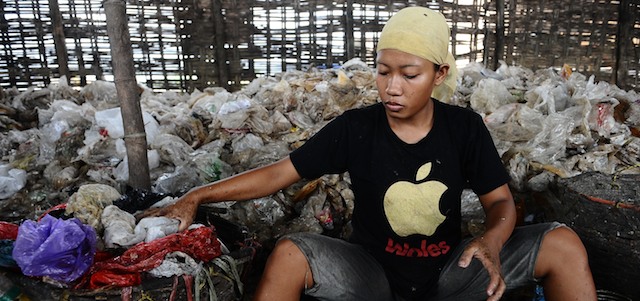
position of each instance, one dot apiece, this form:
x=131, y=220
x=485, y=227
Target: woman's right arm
x=252, y=184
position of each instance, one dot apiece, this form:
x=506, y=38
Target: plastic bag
x=550, y=144
x=179, y=181
x=8, y=231
x=8, y=234
x=120, y=229
x=60, y=249
x=87, y=203
x=172, y=149
x=245, y=142
x=176, y=264
x=489, y=95
x=136, y=199
x=233, y=114
x=111, y=121
x=200, y=243
x=11, y=180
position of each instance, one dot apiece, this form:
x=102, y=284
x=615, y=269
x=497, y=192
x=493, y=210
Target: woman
x=409, y=158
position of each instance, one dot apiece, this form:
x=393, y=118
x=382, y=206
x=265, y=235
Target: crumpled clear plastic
x=111, y=121
x=233, y=114
x=601, y=120
x=300, y=120
x=101, y=94
x=550, y=144
x=210, y=167
x=514, y=122
x=121, y=230
x=518, y=167
x=87, y=203
x=175, y=264
x=172, y=149
x=121, y=172
x=12, y=180
x=179, y=181
x=60, y=249
x=60, y=117
x=262, y=212
x=246, y=142
x=549, y=98
x=489, y=95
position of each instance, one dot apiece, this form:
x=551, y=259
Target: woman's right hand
x=248, y=185
x=184, y=210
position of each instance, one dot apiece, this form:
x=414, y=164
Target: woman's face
x=405, y=82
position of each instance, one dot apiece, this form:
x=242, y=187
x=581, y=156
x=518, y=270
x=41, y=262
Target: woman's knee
x=565, y=240
x=289, y=259
x=561, y=247
x=286, y=249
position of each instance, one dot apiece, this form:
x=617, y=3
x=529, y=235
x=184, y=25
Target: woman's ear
x=442, y=73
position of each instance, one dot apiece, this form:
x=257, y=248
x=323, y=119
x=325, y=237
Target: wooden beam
x=58, y=39
x=349, y=41
x=221, y=56
x=499, y=51
x=129, y=94
x=624, y=35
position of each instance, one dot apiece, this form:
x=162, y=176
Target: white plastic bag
x=121, y=230
x=111, y=120
x=11, y=180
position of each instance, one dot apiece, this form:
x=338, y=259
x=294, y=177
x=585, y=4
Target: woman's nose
x=393, y=87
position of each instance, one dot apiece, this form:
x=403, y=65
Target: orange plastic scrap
x=565, y=72
x=611, y=203
x=124, y=270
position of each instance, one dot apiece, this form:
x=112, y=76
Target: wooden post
x=623, y=37
x=128, y=92
x=221, y=54
x=349, y=41
x=58, y=40
x=499, y=51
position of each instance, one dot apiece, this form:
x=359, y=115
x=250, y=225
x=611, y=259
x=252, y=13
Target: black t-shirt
x=407, y=196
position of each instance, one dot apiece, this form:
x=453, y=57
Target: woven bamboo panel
x=582, y=34
x=187, y=45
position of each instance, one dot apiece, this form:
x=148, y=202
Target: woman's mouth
x=393, y=106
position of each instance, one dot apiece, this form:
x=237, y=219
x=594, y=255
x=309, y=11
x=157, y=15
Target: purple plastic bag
x=60, y=249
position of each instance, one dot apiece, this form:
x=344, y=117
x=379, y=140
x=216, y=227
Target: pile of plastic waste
x=62, y=149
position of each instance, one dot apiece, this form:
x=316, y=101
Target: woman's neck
x=413, y=129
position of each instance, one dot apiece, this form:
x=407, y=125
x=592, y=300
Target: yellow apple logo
x=413, y=208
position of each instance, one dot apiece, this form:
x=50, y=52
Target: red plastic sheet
x=124, y=270
x=8, y=231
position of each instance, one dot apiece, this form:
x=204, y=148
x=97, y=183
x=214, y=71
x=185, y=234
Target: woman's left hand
x=485, y=251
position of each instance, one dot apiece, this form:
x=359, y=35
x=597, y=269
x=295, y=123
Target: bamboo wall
x=194, y=44
x=599, y=37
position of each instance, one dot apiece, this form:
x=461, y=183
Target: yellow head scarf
x=424, y=33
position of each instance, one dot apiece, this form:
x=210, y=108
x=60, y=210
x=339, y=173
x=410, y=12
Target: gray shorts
x=345, y=271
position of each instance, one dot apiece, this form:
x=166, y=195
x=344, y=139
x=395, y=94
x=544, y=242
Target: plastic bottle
x=8, y=291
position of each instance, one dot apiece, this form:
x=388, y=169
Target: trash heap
x=62, y=146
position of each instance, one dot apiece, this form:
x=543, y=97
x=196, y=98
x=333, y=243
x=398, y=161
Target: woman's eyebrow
x=401, y=67
x=408, y=66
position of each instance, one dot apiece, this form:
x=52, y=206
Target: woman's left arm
x=500, y=220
